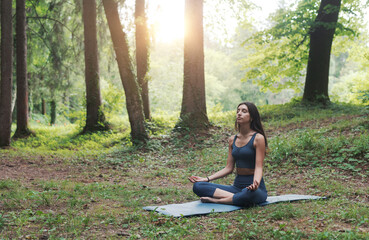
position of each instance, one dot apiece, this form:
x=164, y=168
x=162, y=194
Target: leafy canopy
x=279, y=53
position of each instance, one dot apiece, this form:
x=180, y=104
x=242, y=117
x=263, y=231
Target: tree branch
x=55, y=20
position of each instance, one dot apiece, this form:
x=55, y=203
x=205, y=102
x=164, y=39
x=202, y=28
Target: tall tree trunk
x=193, y=112
x=52, y=112
x=6, y=72
x=321, y=38
x=131, y=88
x=95, y=119
x=30, y=100
x=43, y=101
x=14, y=100
x=142, y=54
x=43, y=106
x=22, y=81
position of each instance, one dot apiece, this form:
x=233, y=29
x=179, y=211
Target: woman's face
x=243, y=115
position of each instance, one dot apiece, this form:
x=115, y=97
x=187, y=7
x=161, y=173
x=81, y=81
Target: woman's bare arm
x=259, y=145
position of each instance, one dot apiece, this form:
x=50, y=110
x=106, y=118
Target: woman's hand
x=194, y=179
x=253, y=186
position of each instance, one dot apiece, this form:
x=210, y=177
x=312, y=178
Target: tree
x=130, y=85
x=142, y=54
x=321, y=38
x=193, y=111
x=95, y=119
x=55, y=47
x=22, y=80
x=6, y=72
x=278, y=55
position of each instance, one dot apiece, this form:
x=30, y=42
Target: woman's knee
x=196, y=187
x=200, y=188
x=247, y=197
x=242, y=198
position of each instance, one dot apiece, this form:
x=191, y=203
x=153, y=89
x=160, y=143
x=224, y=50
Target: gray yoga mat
x=199, y=208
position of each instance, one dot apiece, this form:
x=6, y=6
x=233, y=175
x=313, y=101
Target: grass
x=61, y=185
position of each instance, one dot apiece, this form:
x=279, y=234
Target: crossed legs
x=219, y=196
x=217, y=193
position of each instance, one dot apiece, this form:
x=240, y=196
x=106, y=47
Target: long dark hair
x=255, y=120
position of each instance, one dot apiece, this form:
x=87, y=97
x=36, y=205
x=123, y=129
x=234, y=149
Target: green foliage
x=56, y=66
x=51, y=48
x=55, y=51
x=40, y=119
x=161, y=123
x=311, y=141
x=353, y=86
x=279, y=54
x=222, y=75
x=166, y=79
x=64, y=139
x=113, y=100
x=223, y=85
x=219, y=117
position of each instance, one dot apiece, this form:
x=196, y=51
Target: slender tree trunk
x=14, y=100
x=52, y=112
x=43, y=101
x=131, y=88
x=6, y=72
x=95, y=120
x=30, y=101
x=43, y=107
x=321, y=38
x=22, y=81
x=193, y=112
x=142, y=54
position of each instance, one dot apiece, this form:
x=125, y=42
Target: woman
x=246, y=151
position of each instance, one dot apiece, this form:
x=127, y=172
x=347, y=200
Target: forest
x=107, y=106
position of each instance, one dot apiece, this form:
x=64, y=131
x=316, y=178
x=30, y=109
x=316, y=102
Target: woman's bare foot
x=208, y=200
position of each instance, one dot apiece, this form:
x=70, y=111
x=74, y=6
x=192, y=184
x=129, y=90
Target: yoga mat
x=199, y=208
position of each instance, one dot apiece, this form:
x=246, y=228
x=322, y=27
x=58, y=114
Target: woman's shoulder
x=259, y=138
x=231, y=139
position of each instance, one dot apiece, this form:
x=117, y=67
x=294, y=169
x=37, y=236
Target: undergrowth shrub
x=303, y=146
x=314, y=148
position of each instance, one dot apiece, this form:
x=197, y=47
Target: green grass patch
x=63, y=185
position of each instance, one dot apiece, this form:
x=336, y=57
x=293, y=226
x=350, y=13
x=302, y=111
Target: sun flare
x=167, y=20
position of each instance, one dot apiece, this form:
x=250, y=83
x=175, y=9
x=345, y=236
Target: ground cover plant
x=62, y=185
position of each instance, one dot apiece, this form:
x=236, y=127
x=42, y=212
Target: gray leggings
x=242, y=196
